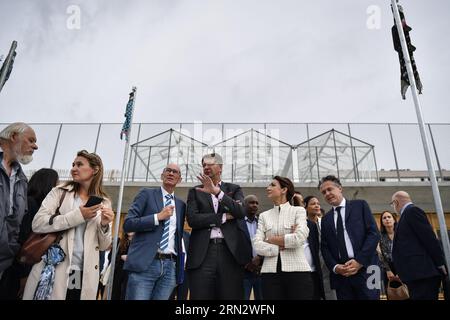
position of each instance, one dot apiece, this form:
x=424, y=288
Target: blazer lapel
x=331, y=214
x=178, y=206
x=348, y=209
x=158, y=198
x=207, y=198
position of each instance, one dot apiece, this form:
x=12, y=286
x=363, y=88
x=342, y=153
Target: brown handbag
x=397, y=290
x=37, y=244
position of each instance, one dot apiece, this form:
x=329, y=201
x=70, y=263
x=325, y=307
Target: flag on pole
x=128, y=112
x=404, y=81
x=6, y=69
x=9, y=67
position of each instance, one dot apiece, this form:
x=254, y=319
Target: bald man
x=155, y=262
x=416, y=252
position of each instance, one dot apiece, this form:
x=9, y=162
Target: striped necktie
x=165, y=236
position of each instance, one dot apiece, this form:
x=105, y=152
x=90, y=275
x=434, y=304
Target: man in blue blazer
x=155, y=260
x=416, y=252
x=349, y=240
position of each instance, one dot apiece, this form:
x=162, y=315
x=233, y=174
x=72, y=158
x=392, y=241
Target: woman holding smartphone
x=70, y=271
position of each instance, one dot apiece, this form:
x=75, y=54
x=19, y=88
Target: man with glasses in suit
x=154, y=260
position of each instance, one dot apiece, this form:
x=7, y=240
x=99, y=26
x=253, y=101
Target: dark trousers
x=317, y=286
x=9, y=283
x=287, y=285
x=424, y=289
x=355, y=287
x=219, y=277
x=252, y=281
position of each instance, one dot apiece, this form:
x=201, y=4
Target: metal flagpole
x=7, y=63
x=127, y=130
x=431, y=172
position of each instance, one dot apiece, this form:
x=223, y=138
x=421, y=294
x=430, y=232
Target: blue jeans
x=252, y=281
x=156, y=283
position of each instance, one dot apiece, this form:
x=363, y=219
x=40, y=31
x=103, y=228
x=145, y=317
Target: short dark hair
x=330, y=178
x=286, y=183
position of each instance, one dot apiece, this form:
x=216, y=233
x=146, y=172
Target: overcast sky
x=220, y=60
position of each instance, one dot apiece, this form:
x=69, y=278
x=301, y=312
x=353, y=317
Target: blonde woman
x=70, y=271
x=282, y=231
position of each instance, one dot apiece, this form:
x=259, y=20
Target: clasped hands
x=348, y=269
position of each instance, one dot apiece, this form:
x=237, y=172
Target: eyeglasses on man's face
x=392, y=203
x=170, y=170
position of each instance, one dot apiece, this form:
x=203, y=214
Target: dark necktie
x=343, y=254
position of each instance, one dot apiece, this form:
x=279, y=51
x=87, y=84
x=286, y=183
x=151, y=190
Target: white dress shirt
x=215, y=231
x=308, y=255
x=172, y=226
x=348, y=243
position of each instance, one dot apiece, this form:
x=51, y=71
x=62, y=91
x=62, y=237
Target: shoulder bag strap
x=57, y=209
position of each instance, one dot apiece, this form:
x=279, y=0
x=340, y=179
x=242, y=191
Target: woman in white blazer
x=282, y=230
x=86, y=231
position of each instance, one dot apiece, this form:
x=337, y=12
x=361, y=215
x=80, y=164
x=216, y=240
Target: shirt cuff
x=224, y=218
x=334, y=269
x=156, y=220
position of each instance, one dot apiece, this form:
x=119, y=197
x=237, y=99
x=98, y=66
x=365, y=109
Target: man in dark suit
x=349, y=240
x=154, y=259
x=416, y=252
x=216, y=254
x=249, y=225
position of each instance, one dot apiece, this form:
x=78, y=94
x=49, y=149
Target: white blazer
x=276, y=222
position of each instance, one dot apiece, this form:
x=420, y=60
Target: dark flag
x=404, y=81
x=128, y=112
x=7, y=66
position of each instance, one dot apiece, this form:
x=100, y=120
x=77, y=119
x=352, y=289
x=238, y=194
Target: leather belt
x=162, y=256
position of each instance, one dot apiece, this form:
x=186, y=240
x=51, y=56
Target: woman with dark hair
x=40, y=184
x=312, y=206
x=311, y=246
x=314, y=213
x=388, y=223
x=69, y=270
x=281, y=233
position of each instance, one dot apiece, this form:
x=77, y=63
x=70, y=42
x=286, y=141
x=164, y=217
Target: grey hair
x=217, y=158
x=16, y=127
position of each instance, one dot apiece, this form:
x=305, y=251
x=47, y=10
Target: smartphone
x=93, y=200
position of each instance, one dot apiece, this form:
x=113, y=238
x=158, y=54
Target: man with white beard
x=18, y=142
